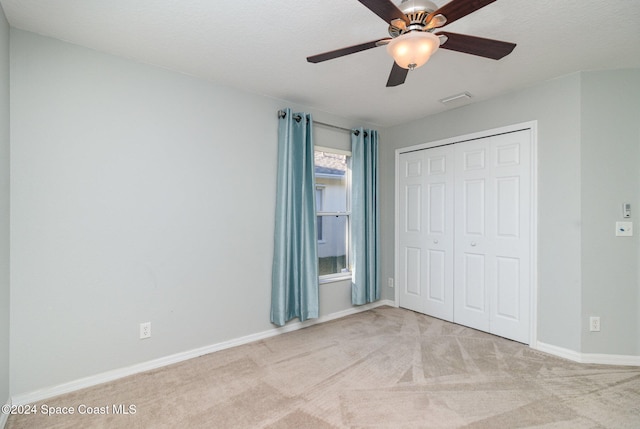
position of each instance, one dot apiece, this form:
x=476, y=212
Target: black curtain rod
x=297, y=118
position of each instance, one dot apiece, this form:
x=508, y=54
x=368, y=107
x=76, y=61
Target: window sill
x=337, y=278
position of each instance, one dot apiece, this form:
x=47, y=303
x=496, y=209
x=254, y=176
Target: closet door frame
x=533, y=278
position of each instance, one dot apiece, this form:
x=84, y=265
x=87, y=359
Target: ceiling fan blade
x=488, y=48
x=345, y=51
x=457, y=9
x=385, y=10
x=397, y=75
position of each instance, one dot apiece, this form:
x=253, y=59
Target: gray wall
x=4, y=208
x=610, y=134
x=568, y=251
x=137, y=194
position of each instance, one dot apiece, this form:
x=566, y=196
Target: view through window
x=333, y=212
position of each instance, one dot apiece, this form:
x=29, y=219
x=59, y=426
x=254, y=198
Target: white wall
x=567, y=250
x=610, y=134
x=137, y=194
x=4, y=209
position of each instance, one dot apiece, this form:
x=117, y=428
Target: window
x=333, y=194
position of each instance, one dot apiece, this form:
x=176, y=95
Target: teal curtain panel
x=365, y=217
x=294, y=291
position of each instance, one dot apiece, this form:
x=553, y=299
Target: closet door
x=425, y=253
x=492, y=240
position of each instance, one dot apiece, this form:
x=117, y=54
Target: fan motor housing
x=417, y=11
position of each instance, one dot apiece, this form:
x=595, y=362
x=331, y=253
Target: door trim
x=533, y=127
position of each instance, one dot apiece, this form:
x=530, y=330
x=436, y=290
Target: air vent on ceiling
x=464, y=96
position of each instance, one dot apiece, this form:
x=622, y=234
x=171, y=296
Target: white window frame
x=328, y=278
x=321, y=189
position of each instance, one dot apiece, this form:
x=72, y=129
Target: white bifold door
x=464, y=232
x=426, y=234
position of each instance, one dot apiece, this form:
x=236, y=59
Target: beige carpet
x=385, y=368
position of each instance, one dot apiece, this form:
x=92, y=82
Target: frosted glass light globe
x=413, y=49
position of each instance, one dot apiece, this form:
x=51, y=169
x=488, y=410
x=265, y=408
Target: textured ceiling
x=261, y=46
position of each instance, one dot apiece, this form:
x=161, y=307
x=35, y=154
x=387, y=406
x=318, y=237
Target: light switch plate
x=624, y=229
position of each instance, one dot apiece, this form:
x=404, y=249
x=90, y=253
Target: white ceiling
x=261, y=46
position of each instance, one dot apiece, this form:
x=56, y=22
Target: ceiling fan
x=413, y=40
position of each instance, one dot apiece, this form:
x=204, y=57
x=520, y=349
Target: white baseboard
x=4, y=416
x=602, y=359
x=49, y=392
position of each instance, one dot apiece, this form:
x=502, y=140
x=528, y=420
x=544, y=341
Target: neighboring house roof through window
x=330, y=163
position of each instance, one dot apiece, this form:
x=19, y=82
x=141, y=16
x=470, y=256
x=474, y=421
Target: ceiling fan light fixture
x=413, y=49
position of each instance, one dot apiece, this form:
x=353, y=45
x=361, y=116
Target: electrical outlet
x=594, y=324
x=390, y=281
x=145, y=330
